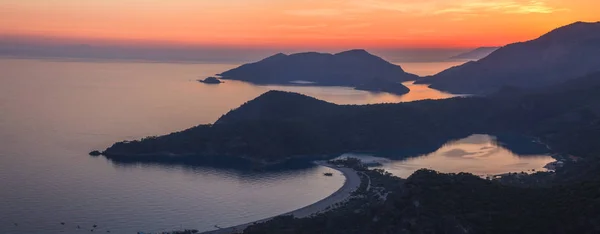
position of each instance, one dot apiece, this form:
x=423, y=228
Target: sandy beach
x=350, y=185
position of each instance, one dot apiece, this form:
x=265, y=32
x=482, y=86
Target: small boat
x=328, y=174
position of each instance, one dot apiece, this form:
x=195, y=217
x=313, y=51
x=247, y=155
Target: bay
x=53, y=112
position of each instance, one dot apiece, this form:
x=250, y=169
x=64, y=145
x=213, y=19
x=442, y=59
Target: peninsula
x=279, y=126
x=381, y=85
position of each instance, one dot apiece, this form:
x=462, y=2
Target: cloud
x=420, y=31
x=433, y=7
x=355, y=26
x=506, y=7
x=316, y=12
x=290, y=26
x=398, y=6
x=357, y=13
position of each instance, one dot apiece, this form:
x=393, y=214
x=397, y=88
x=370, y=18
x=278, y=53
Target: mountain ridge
x=563, y=53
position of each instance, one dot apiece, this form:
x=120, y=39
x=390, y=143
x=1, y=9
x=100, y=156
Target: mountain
x=564, y=53
x=475, y=54
x=349, y=68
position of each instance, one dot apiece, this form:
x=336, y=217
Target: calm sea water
x=52, y=113
x=427, y=69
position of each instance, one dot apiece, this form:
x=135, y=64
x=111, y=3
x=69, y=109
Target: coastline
x=351, y=183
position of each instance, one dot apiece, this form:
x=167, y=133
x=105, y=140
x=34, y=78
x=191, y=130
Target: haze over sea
x=54, y=112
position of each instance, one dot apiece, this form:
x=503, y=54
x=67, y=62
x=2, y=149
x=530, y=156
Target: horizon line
x=50, y=40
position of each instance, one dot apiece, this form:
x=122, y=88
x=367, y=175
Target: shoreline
x=351, y=183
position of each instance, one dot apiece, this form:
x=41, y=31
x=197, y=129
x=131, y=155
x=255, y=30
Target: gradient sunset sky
x=296, y=23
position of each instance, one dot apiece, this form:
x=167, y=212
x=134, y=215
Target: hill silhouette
x=276, y=104
x=349, y=68
x=564, y=53
x=432, y=202
x=278, y=126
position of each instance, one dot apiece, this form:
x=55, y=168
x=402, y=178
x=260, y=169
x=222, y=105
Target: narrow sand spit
x=350, y=185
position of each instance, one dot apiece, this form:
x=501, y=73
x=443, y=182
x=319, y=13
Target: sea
x=54, y=111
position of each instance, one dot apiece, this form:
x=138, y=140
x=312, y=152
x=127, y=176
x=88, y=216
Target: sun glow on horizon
x=323, y=23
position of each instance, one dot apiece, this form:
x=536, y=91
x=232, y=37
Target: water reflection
x=233, y=164
x=422, y=92
x=478, y=154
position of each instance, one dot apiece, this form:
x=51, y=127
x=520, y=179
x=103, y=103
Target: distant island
x=565, y=53
x=211, y=80
x=475, y=54
x=350, y=68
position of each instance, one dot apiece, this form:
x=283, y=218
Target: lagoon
x=479, y=154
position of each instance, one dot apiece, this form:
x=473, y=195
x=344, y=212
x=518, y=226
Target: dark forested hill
x=567, y=52
x=279, y=125
x=431, y=202
x=276, y=105
x=349, y=68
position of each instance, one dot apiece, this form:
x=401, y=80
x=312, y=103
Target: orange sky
x=297, y=23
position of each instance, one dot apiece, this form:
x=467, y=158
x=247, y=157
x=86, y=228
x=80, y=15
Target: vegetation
x=346, y=217
x=430, y=202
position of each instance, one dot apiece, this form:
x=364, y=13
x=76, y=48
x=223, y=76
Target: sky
x=293, y=23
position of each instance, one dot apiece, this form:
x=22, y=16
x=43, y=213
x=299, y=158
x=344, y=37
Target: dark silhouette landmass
x=432, y=202
x=349, y=68
x=279, y=126
x=564, y=53
x=211, y=80
x=475, y=54
x=381, y=85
